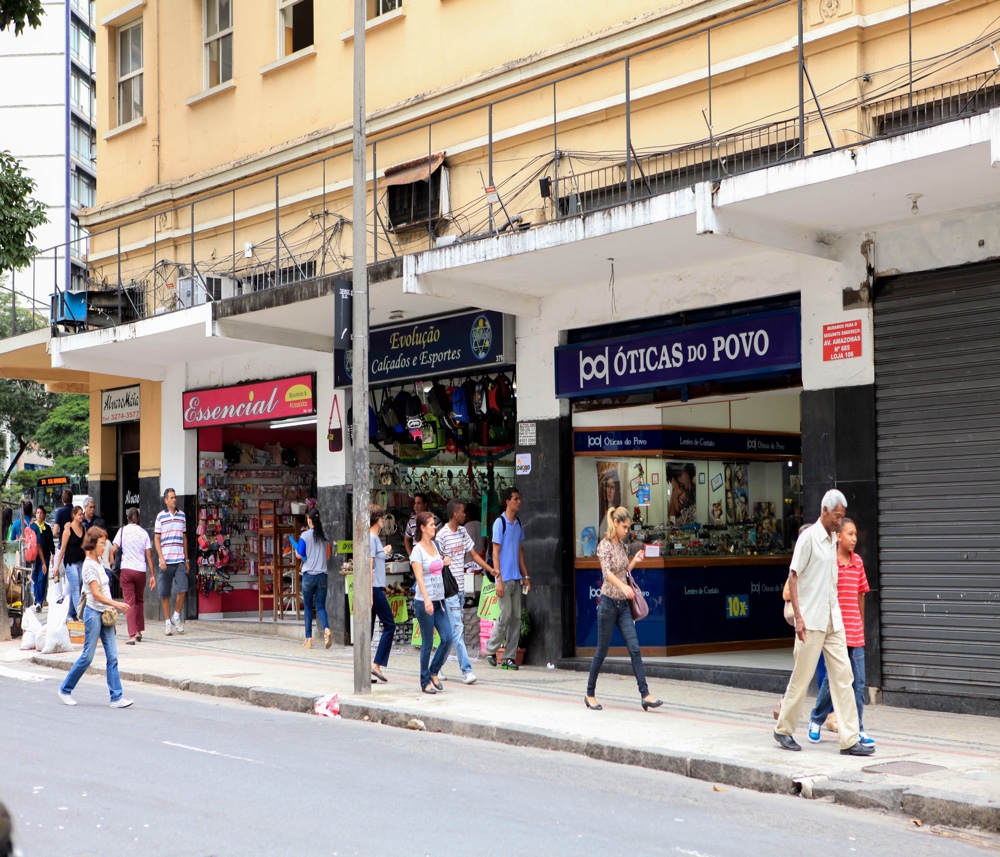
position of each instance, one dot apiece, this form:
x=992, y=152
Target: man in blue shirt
x=508, y=557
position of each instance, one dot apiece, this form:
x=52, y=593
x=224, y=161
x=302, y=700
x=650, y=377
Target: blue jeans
x=73, y=580
x=94, y=630
x=824, y=704
x=454, y=605
x=39, y=579
x=612, y=612
x=314, y=590
x=381, y=608
x=439, y=620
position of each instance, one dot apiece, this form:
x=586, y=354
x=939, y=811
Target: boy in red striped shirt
x=852, y=584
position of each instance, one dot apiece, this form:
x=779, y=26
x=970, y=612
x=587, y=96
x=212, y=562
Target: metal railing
x=288, y=227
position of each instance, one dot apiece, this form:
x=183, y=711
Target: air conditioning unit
x=192, y=291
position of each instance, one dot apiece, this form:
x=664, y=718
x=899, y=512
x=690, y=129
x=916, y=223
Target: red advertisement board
x=278, y=399
x=842, y=340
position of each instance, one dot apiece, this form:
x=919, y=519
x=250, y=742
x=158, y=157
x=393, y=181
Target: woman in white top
x=428, y=603
x=98, y=589
x=137, y=555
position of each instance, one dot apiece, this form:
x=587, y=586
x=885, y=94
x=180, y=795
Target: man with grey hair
x=819, y=627
x=90, y=516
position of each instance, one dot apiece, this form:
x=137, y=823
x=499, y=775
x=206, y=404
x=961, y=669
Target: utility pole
x=359, y=371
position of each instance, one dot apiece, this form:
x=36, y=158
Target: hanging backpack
x=459, y=406
x=30, y=539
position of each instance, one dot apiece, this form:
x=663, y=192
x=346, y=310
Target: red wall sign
x=250, y=403
x=842, y=340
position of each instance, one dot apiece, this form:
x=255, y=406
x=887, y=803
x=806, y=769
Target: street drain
x=906, y=769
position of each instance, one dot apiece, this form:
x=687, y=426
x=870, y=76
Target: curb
x=931, y=807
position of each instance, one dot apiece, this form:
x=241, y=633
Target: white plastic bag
x=30, y=626
x=327, y=706
x=57, y=634
x=40, y=639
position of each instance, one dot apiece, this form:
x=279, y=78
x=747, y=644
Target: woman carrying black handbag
x=614, y=609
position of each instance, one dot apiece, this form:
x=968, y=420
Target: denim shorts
x=173, y=581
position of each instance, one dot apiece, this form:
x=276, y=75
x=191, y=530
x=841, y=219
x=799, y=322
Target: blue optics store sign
x=456, y=344
x=630, y=441
x=743, y=347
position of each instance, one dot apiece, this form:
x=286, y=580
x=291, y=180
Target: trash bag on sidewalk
x=57, y=634
x=40, y=639
x=327, y=706
x=30, y=628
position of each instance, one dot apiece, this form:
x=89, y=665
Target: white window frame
x=77, y=83
x=80, y=181
x=378, y=8
x=285, y=7
x=218, y=37
x=132, y=74
x=84, y=154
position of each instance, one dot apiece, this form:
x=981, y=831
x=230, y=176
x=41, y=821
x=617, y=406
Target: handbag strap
x=334, y=408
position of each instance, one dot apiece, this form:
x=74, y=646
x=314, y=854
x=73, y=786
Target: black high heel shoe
x=656, y=703
x=597, y=707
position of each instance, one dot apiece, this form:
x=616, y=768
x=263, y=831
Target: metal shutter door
x=937, y=409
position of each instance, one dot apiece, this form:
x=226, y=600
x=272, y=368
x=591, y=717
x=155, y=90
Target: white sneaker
x=121, y=703
x=469, y=678
x=66, y=698
x=178, y=623
x=170, y=628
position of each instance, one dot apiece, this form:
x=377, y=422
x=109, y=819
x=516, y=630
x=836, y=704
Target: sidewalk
x=707, y=732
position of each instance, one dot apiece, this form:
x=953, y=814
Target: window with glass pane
x=130, y=73
x=81, y=94
x=82, y=143
x=82, y=190
x=218, y=42
x=381, y=7
x=296, y=25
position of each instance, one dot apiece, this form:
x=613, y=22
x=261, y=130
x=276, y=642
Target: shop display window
x=689, y=506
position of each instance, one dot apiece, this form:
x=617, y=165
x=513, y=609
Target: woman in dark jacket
x=46, y=549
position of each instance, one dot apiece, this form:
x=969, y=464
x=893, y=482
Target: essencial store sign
x=278, y=399
x=742, y=347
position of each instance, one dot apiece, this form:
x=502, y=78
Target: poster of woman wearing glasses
x=737, y=493
x=682, y=508
x=609, y=487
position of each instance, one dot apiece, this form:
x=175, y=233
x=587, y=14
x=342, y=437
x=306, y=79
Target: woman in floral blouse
x=616, y=592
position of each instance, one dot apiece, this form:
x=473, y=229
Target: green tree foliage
x=25, y=318
x=20, y=214
x=24, y=406
x=66, y=430
x=18, y=13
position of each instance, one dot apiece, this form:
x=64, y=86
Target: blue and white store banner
x=745, y=347
x=464, y=344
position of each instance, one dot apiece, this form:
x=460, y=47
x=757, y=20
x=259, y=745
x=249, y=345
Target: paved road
x=183, y=775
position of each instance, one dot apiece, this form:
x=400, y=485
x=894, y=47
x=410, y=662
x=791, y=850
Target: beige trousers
x=833, y=645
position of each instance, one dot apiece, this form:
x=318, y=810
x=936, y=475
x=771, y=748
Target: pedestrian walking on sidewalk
x=428, y=603
x=63, y=515
x=512, y=580
x=170, y=537
x=69, y=563
x=613, y=610
x=137, y=555
x=380, y=604
x=46, y=549
x=98, y=587
x=819, y=627
x=454, y=541
x=852, y=584
x=312, y=548
x=410, y=533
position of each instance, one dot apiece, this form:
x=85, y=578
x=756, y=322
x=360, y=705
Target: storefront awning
x=408, y=172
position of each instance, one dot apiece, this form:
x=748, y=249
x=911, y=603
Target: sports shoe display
x=814, y=730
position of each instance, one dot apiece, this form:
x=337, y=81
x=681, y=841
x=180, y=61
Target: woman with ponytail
x=613, y=610
x=313, y=549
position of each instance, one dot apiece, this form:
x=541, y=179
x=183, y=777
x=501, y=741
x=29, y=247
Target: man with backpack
x=513, y=579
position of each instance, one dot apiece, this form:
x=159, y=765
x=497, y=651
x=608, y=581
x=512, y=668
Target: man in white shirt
x=454, y=540
x=819, y=627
